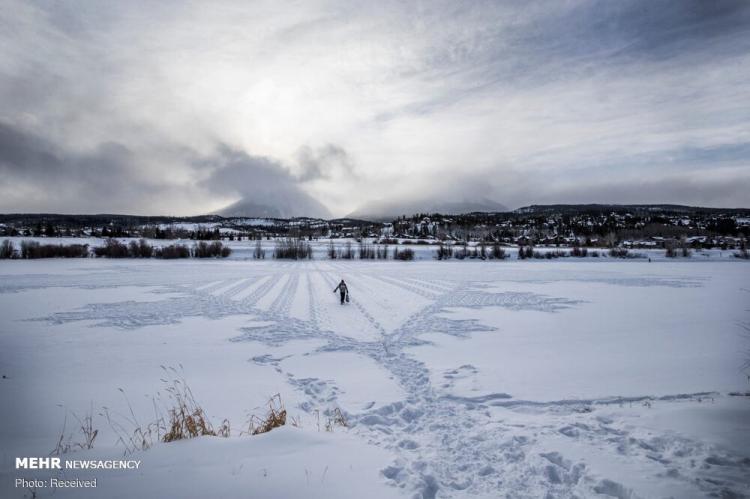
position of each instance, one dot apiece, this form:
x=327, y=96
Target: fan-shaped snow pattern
x=445, y=444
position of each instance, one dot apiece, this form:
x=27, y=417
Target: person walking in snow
x=343, y=291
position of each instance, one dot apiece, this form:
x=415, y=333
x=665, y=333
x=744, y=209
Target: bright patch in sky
x=326, y=107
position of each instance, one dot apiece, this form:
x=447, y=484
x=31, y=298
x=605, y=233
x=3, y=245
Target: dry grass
x=339, y=418
x=130, y=433
x=224, y=430
x=187, y=423
x=336, y=418
x=275, y=417
x=177, y=416
x=86, y=429
x=187, y=419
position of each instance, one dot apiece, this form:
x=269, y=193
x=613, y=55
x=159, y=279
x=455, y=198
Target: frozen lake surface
x=458, y=379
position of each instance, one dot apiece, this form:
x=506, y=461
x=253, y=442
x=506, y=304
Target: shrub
x=347, y=253
x=215, y=249
x=32, y=250
x=618, y=252
x=331, y=250
x=382, y=252
x=259, y=253
x=684, y=248
x=200, y=250
x=670, y=249
x=172, y=251
x=140, y=249
x=497, y=252
x=112, y=249
x=673, y=250
x=366, y=252
x=27, y=248
x=579, y=252
x=7, y=250
x=443, y=252
x=549, y=255
x=461, y=252
x=482, y=251
x=405, y=254
x=525, y=252
x=292, y=249
x=74, y=251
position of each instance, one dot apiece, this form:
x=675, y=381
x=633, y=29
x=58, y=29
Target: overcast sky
x=185, y=107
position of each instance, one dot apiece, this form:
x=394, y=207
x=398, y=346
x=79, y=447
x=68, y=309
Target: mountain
x=604, y=209
x=276, y=205
x=388, y=210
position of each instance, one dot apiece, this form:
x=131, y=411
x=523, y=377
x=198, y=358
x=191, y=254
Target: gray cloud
x=123, y=107
x=675, y=189
x=266, y=188
x=324, y=163
x=718, y=187
x=40, y=176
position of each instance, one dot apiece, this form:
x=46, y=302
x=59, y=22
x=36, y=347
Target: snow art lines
x=445, y=444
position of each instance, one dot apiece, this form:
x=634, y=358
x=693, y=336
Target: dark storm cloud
x=109, y=177
x=264, y=186
x=23, y=154
x=242, y=173
x=29, y=157
x=88, y=181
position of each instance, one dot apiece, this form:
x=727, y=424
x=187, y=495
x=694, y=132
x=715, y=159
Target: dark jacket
x=341, y=287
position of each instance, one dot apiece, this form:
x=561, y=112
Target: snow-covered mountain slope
x=278, y=204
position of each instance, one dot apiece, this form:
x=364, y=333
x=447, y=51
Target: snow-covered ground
x=565, y=378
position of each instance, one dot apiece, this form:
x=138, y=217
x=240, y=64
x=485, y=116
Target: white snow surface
x=585, y=378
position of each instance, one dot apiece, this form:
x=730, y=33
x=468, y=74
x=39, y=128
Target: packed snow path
x=484, y=423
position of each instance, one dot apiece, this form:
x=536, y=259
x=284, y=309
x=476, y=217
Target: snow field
x=458, y=379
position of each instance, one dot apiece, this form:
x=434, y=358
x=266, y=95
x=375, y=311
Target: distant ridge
x=595, y=208
x=386, y=210
x=566, y=209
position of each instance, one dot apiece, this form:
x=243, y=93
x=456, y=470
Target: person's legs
x=343, y=295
